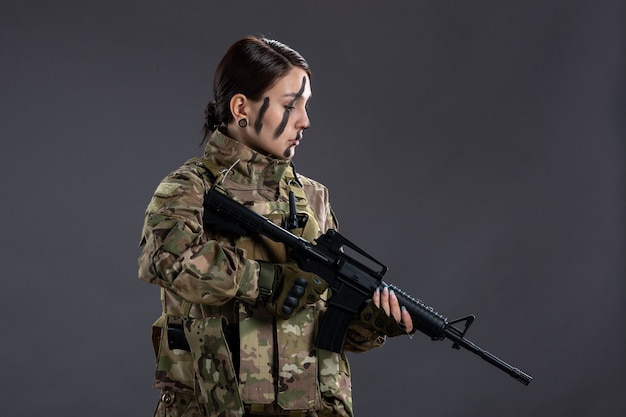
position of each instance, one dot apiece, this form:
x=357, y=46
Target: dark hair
x=251, y=66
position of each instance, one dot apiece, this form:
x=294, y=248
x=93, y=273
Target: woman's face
x=275, y=122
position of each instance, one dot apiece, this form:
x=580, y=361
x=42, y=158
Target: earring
x=242, y=122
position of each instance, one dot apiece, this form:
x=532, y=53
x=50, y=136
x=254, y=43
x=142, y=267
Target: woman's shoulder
x=319, y=200
x=186, y=181
x=186, y=175
x=312, y=185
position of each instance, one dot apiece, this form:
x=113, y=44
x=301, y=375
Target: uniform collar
x=246, y=167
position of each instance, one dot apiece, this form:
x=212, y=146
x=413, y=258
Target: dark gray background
x=475, y=147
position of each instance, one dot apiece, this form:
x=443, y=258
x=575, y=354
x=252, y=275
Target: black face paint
x=283, y=123
x=288, y=152
x=259, y=121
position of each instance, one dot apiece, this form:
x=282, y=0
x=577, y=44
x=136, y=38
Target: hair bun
x=211, y=121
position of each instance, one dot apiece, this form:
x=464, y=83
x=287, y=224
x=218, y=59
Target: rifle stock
x=350, y=280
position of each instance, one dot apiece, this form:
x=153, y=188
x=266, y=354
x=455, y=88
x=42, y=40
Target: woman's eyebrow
x=297, y=95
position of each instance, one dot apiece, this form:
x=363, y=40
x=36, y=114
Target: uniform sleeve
x=176, y=256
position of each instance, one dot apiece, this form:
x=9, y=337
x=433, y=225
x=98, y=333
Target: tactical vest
x=262, y=362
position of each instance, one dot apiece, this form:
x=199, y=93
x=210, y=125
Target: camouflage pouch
x=213, y=366
x=298, y=363
x=174, y=368
x=257, y=354
x=335, y=384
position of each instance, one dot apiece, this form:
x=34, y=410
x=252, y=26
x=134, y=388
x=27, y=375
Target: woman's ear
x=238, y=106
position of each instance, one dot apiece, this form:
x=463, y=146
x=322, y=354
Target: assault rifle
x=351, y=280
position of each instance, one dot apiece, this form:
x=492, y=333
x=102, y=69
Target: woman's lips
x=297, y=140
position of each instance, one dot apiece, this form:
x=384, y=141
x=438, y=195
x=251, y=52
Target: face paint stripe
x=283, y=123
x=259, y=121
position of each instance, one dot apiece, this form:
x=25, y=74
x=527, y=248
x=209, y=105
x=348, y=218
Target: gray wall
x=476, y=148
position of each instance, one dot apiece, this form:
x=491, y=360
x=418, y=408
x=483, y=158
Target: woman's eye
x=289, y=108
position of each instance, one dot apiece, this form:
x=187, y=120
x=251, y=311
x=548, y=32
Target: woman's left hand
x=388, y=301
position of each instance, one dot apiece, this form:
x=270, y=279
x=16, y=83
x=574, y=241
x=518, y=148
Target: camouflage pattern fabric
x=209, y=281
x=178, y=404
x=213, y=366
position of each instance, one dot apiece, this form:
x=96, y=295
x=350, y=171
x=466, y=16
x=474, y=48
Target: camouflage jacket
x=209, y=288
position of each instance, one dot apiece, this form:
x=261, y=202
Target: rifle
x=351, y=281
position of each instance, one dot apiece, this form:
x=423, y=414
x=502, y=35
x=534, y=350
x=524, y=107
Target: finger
x=394, y=306
x=376, y=298
x=384, y=300
x=406, y=319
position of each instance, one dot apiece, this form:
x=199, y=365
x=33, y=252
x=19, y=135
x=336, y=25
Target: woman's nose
x=304, y=122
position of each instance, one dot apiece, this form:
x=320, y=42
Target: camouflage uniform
x=236, y=358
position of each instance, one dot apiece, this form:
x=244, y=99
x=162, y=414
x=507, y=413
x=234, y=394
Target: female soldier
x=224, y=344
